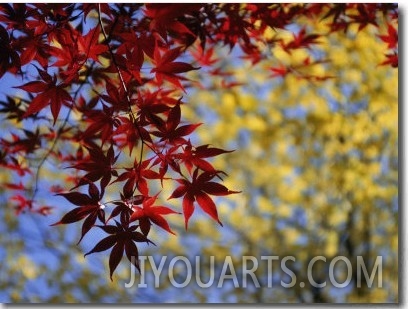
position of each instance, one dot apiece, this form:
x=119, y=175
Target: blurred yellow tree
x=317, y=161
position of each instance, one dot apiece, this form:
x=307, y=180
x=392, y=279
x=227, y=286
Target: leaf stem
x=122, y=81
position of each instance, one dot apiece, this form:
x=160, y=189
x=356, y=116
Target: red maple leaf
x=279, y=71
x=194, y=156
x=366, y=15
x=14, y=165
x=9, y=58
x=122, y=238
x=49, y=93
x=198, y=190
x=100, y=122
x=89, y=207
x=171, y=131
x=88, y=44
x=98, y=166
x=149, y=213
x=301, y=40
x=166, y=159
x=15, y=15
x=137, y=176
x=19, y=144
x=124, y=208
x=151, y=105
x=166, y=68
x=127, y=134
x=164, y=17
x=23, y=204
x=392, y=59
x=391, y=38
x=204, y=57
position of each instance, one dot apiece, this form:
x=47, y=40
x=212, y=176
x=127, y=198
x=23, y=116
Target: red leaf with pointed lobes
x=149, y=213
x=164, y=17
x=195, y=156
x=115, y=256
x=122, y=239
x=132, y=254
x=170, y=130
x=366, y=15
x=137, y=176
x=391, y=38
x=392, y=59
x=35, y=87
x=88, y=44
x=103, y=245
x=207, y=204
x=75, y=215
x=90, y=208
x=49, y=93
x=98, y=166
x=198, y=190
x=77, y=198
x=217, y=189
x=35, y=49
x=188, y=208
x=204, y=57
x=23, y=203
x=167, y=69
x=100, y=122
x=122, y=209
x=301, y=40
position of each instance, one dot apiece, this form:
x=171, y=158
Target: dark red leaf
x=89, y=46
x=115, y=257
x=198, y=190
x=132, y=254
x=166, y=68
x=88, y=224
x=74, y=215
x=103, y=245
x=188, y=208
x=77, y=198
x=217, y=189
x=391, y=38
x=179, y=192
x=149, y=213
x=35, y=87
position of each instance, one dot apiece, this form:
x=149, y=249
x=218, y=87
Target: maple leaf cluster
x=103, y=89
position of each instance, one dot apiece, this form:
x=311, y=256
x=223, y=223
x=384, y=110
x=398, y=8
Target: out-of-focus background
x=317, y=164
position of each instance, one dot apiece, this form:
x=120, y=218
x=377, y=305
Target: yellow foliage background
x=317, y=162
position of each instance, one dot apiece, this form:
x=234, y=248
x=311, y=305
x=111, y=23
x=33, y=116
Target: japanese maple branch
x=61, y=128
x=122, y=81
x=59, y=132
x=50, y=150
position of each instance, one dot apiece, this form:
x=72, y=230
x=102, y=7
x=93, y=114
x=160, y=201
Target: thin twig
x=54, y=143
x=122, y=81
